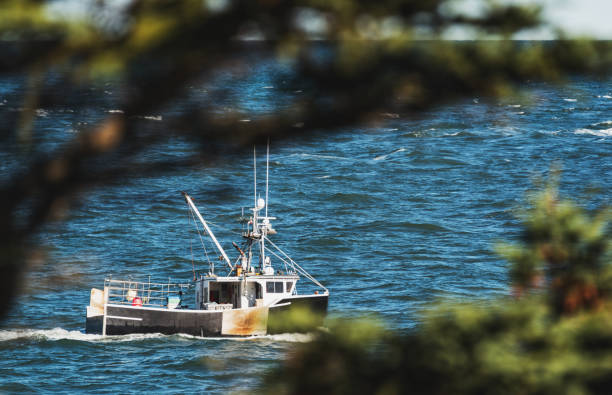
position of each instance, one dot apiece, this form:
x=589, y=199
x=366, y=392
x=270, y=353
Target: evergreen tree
x=353, y=60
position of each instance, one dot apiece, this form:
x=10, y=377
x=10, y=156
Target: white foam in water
x=291, y=337
x=63, y=334
x=283, y=337
x=381, y=157
x=571, y=100
x=604, y=96
x=321, y=156
x=45, y=334
x=598, y=133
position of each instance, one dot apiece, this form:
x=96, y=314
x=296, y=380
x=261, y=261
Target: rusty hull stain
x=245, y=322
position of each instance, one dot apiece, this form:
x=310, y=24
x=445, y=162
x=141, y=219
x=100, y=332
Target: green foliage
x=294, y=320
x=352, y=60
x=505, y=346
x=563, y=249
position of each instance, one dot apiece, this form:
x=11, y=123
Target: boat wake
x=282, y=337
x=289, y=337
x=63, y=334
x=56, y=334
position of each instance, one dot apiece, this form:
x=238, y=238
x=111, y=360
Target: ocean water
x=389, y=217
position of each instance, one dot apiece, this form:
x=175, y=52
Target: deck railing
x=145, y=293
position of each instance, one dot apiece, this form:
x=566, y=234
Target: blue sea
x=390, y=216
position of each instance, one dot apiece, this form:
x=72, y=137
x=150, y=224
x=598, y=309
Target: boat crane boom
x=212, y=236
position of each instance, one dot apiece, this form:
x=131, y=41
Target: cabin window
x=274, y=287
x=289, y=284
x=214, y=296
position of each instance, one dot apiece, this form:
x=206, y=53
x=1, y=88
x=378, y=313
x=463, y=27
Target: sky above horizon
x=581, y=17
x=590, y=18
x=575, y=17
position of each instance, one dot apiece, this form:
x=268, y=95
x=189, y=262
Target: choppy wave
x=599, y=129
x=322, y=156
x=452, y=134
x=595, y=132
x=385, y=156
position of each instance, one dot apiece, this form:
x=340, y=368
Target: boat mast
x=254, y=201
x=260, y=224
x=262, y=230
x=267, y=171
x=254, y=179
x=210, y=233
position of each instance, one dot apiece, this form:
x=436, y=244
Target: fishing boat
x=257, y=292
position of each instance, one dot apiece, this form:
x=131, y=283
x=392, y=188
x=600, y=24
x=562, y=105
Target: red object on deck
x=136, y=301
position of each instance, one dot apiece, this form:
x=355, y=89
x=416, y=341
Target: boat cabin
x=224, y=293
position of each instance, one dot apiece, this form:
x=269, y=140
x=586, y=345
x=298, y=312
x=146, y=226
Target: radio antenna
x=254, y=176
x=267, y=168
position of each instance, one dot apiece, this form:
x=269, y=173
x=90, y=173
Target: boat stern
x=95, y=310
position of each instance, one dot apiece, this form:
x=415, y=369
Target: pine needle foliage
x=351, y=60
x=554, y=337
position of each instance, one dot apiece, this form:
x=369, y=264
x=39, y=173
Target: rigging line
x=191, y=250
x=222, y=227
x=199, y=234
x=281, y=258
x=298, y=267
x=255, y=176
x=192, y=261
x=295, y=269
x=267, y=170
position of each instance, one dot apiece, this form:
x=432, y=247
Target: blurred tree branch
x=352, y=59
x=557, y=339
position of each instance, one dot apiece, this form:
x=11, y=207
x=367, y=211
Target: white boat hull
x=118, y=319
